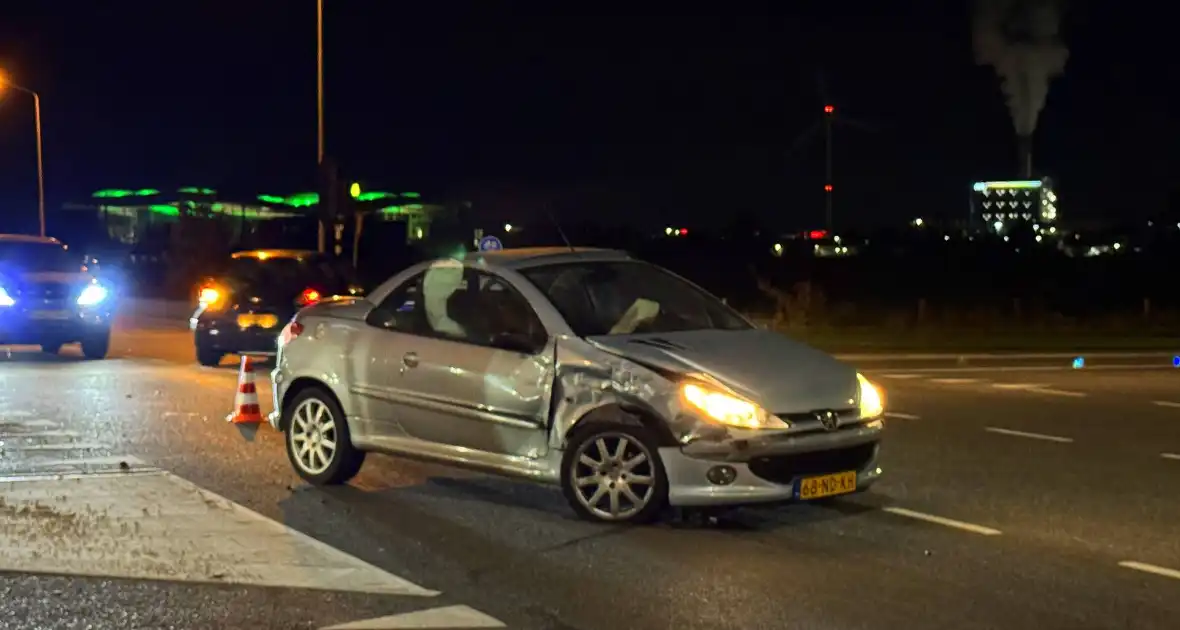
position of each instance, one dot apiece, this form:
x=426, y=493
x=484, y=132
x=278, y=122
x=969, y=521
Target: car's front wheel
x=51, y=346
x=318, y=442
x=96, y=345
x=612, y=472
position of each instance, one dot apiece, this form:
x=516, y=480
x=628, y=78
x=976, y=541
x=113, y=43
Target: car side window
x=462, y=305
x=401, y=309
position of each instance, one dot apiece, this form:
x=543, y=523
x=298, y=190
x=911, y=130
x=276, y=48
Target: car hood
x=63, y=277
x=782, y=375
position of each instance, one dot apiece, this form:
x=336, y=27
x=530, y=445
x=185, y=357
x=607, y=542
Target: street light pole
x=319, y=53
x=4, y=82
x=40, y=164
x=319, y=28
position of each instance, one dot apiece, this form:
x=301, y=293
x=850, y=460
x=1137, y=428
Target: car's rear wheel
x=96, y=345
x=612, y=472
x=209, y=357
x=318, y=442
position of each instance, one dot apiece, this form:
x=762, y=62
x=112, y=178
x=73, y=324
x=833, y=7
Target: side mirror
x=515, y=342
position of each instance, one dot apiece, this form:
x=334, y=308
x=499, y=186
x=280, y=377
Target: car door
x=377, y=360
x=479, y=373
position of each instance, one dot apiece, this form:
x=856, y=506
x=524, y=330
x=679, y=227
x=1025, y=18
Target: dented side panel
x=589, y=379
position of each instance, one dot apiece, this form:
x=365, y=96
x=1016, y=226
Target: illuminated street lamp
x=6, y=83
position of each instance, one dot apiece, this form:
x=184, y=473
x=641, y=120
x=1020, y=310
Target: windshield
x=288, y=273
x=620, y=298
x=34, y=257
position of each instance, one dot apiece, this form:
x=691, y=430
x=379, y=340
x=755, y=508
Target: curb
x=1000, y=356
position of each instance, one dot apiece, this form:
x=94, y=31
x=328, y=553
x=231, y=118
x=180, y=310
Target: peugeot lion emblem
x=830, y=419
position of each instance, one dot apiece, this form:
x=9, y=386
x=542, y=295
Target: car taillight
x=292, y=330
x=308, y=297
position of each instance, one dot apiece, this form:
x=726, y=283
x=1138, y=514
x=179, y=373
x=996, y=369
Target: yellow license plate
x=262, y=321
x=827, y=485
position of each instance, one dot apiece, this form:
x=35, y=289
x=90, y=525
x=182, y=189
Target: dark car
x=243, y=307
x=49, y=298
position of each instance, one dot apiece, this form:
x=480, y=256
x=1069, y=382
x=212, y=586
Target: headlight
x=92, y=295
x=872, y=403
x=726, y=408
x=5, y=299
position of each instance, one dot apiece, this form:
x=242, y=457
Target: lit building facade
x=1015, y=208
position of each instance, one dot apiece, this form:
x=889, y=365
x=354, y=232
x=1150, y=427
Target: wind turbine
x=826, y=125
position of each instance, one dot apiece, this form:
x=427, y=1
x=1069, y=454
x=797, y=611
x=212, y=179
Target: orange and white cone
x=246, y=409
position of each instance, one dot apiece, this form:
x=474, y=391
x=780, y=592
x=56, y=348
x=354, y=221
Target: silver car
x=621, y=382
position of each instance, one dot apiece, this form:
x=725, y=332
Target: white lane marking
x=1022, y=368
x=901, y=416
x=1166, y=403
x=901, y=377
x=954, y=381
x=56, y=446
x=1033, y=436
x=41, y=434
x=1002, y=356
x=947, y=522
x=157, y=526
x=56, y=470
x=1151, y=568
x=1175, y=456
x=1019, y=386
x=446, y=617
x=1057, y=392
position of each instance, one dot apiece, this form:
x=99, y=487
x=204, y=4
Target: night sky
x=623, y=118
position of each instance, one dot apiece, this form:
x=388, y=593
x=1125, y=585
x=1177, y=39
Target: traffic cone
x=246, y=409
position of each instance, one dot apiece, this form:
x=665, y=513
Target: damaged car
x=627, y=386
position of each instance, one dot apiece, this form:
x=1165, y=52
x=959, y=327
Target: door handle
x=410, y=359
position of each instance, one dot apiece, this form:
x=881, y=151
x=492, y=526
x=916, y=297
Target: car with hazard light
x=49, y=298
x=242, y=307
x=627, y=386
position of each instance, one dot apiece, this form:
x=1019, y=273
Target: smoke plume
x=1020, y=39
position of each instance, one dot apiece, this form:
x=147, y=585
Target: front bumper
x=278, y=389
x=20, y=326
x=769, y=470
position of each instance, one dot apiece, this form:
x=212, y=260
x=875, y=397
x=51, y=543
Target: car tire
x=51, y=347
x=589, y=489
x=209, y=357
x=327, y=469
x=95, y=346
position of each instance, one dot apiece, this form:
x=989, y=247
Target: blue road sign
x=1176, y=362
x=490, y=244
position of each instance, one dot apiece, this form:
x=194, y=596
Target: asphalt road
x=1019, y=493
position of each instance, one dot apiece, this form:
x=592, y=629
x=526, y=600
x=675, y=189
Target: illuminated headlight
x=728, y=409
x=872, y=403
x=5, y=299
x=92, y=295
